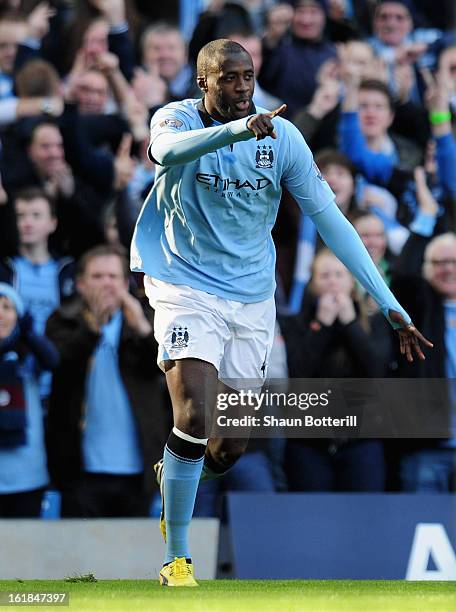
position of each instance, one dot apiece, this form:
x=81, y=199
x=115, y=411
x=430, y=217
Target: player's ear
x=202, y=83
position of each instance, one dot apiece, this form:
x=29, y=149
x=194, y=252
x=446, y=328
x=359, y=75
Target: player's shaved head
x=212, y=56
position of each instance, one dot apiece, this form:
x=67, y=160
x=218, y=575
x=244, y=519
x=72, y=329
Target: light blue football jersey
x=207, y=223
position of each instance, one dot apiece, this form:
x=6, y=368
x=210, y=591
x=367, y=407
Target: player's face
x=375, y=114
x=441, y=263
x=230, y=89
x=8, y=316
x=34, y=221
x=341, y=182
x=46, y=150
x=103, y=278
x=331, y=276
x=372, y=233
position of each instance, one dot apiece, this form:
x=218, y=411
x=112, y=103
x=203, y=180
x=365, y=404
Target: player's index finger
x=277, y=111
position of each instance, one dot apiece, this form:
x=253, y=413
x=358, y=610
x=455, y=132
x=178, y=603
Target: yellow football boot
x=178, y=573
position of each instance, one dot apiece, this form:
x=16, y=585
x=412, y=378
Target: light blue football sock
x=181, y=484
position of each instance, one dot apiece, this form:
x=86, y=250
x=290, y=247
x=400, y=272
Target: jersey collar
x=208, y=121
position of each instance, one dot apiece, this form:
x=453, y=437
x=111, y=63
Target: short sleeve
x=301, y=175
x=165, y=121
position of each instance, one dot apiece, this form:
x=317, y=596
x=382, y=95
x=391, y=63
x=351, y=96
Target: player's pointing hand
x=261, y=125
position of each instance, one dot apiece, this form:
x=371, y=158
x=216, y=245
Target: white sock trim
x=188, y=438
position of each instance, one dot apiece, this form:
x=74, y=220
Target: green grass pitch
x=248, y=595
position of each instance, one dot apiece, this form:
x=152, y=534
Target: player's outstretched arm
x=182, y=147
x=342, y=239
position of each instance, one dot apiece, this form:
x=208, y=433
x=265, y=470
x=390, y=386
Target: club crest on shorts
x=264, y=156
x=179, y=337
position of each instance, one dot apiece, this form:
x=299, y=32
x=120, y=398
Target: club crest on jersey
x=173, y=123
x=179, y=337
x=264, y=156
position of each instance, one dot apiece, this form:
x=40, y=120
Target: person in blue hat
x=23, y=471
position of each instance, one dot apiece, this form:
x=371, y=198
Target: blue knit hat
x=9, y=292
x=407, y=3
x=322, y=3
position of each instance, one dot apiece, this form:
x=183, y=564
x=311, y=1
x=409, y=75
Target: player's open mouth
x=242, y=105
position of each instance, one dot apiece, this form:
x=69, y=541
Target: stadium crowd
x=371, y=85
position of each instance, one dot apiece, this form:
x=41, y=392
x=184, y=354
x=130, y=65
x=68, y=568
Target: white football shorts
x=236, y=338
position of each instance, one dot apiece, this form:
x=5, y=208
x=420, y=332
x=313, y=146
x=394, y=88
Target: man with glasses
x=426, y=284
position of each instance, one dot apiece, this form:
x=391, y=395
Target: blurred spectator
x=339, y=172
x=301, y=52
x=12, y=31
x=397, y=43
x=217, y=21
x=106, y=416
x=165, y=74
x=25, y=101
x=23, y=472
x=425, y=283
x=44, y=166
x=99, y=26
x=38, y=91
x=447, y=68
x=364, y=134
x=438, y=101
x=41, y=278
x=331, y=338
x=278, y=22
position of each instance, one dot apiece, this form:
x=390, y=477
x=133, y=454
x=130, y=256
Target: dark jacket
x=143, y=381
x=335, y=351
x=289, y=70
x=424, y=305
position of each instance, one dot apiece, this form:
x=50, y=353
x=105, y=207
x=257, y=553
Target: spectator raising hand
x=325, y=99
x=112, y=10
x=38, y=21
x=149, y=87
x=426, y=201
x=278, y=20
x=134, y=314
x=437, y=97
x=124, y=165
